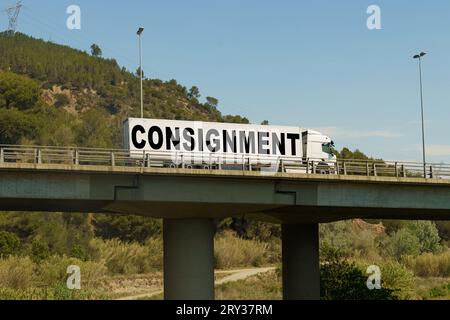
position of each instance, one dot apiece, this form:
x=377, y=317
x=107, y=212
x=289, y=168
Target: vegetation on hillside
x=55, y=95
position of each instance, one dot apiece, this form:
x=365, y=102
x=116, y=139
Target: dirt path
x=234, y=275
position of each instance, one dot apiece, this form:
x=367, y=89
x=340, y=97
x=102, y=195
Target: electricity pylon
x=13, y=14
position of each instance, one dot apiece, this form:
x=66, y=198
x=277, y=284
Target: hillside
x=55, y=95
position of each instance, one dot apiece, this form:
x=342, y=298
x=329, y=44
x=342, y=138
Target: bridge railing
x=202, y=160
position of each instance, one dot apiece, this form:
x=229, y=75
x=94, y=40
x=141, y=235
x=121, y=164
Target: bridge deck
x=191, y=193
x=222, y=173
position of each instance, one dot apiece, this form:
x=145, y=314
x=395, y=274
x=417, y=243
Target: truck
x=228, y=146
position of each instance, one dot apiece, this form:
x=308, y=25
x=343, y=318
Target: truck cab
x=318, y=147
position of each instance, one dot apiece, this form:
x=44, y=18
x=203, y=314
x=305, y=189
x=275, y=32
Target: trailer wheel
x=188, y=166
x=173, y=166
x=206, y=167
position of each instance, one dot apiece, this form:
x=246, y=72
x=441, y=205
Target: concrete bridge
x=189, y=200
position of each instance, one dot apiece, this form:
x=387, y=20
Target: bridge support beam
x=300, y=252
x=188, y=259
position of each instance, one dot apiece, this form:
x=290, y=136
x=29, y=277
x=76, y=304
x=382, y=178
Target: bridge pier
x=300, y=254
x=188, y=259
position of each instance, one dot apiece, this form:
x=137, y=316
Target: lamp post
x=420, y=56
x=141, y=75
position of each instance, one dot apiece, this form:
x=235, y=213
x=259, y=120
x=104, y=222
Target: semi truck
x=213, y=145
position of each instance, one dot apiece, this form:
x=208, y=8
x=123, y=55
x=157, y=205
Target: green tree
x=346, y=153
x=95, y=130
x=95, y=50
x=235, y=119
x=18, y=91
x=194, y=92
x=212, y=102
x=126, y=227
x=403, y=242
x=427, y=234
x=265, y=123
x=16, y=126
x=138, y=73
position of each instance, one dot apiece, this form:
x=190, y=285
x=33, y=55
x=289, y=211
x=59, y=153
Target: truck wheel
x=173, y=166
x=323, y=168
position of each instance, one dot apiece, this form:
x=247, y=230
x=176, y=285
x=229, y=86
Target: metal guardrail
x=209, y=161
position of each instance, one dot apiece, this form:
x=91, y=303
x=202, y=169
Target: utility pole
x=141, y=73
x=420, y=56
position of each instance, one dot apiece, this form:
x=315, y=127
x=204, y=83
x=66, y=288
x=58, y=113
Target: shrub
x=398, y=279
x=61, y=100
x=343, y=280
x=39, y=250
x=402, y=243
x=429, y=265
x=18, y=91
x=9, y=243
x=428, y=235
x=351, y=240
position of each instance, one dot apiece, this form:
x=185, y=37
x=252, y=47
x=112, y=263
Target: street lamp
x=420, y=56
x=141, y=75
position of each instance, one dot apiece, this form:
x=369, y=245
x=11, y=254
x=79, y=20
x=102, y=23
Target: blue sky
x=313, y=64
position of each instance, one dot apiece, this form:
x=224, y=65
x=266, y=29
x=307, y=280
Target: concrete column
x=300, y=251
x=188, y=259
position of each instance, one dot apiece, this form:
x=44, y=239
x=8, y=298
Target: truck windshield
x=328, y=147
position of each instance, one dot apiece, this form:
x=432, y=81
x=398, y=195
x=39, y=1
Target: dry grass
x=265, y=286
x=129, y=258
x=54, y=269
x=231, y=252
x=16, y=272
x=430, y=265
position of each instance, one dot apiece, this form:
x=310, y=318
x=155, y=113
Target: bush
x=398, y=279
x=343, y=280
x=351, y=240
x=415, y=238
x=18, y=91
x=39, y=250
x=403, y=243
x=428, y=235
x=61, y=100
x=429, y=265
x=231, y=251
x=9, y=244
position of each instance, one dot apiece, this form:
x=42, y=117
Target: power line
x=13, y=15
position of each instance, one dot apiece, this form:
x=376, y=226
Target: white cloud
x=437, y=150
x=347, y=133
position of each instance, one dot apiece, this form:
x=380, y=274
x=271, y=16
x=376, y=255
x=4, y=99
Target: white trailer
x=195, y=144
